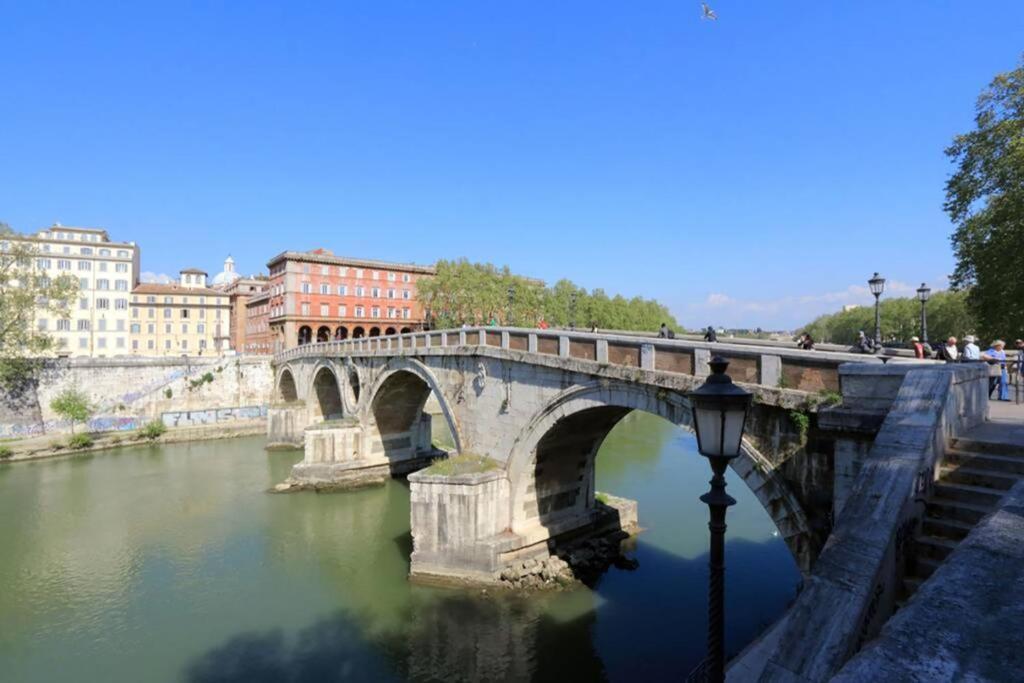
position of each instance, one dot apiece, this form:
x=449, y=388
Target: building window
x=63, y=265
x=375, y=312
x=359, y=290
x=359, y=273
x=391, y=277
x=342, y=290
x=325, y=288
x=102, y=303
x=85, y=265
x=101, y=342
x=306, y=288
x=83, y=283
x=136, y=328
x=375, y=292
x=343, y=270
x=150, y=299
x=150, y=344
x=86, y=251
x=104, y=252
x=121, y=285
x=325, y=270
x=391, y=312
x=83, y=325
x=167, y=328
x=122, y=305
x=168, y=299
x=121, y=267
x=135, y=344
x=406, y=277
x=122, y=253
x=184, y=344
x=120, y=342
x=391, y=294
x=102, y=322
x=83, y=304
x=184, y=313
x=150, y=328
x=305, y=309
x=103, y=284
x=375, y=275
x=151, y=313
x=184, y=328
x=359, y=311
x=64, y=325
x=167, y=344
x=83, y=342
x=167, y=313
x=324, y=310
x=406, y=313
x=201, y=328
x=43, y=263
x=120, y=325
x=102, y=266
x=42, y=324
x=342, y=310
x=202, y=343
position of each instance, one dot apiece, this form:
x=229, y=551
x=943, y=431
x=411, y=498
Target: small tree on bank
x=72, y=405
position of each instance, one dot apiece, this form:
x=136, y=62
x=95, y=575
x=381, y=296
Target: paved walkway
x=1003, y=411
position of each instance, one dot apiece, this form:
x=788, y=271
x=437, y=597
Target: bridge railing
x=769, y=365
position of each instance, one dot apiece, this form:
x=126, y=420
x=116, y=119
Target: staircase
x=974, y=476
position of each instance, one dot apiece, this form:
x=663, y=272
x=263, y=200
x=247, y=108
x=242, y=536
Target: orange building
x=317, y=296
x=257, y=338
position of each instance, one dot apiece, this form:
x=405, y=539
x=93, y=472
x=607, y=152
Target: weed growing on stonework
x=79, y=441
x=152, y=430
x=5, y=452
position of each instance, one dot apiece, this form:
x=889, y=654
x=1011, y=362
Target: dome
x=228, y=275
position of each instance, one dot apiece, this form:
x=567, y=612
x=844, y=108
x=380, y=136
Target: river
x=172, y=563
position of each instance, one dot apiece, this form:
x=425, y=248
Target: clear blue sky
x=745, y=171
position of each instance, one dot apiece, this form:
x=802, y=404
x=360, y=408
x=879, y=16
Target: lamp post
x=719, y=417
x=511, y=298
x=572, y=311
x=923, y=293
x=877, y=285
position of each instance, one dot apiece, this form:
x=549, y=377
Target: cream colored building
x=97, y=323
x=184, y=318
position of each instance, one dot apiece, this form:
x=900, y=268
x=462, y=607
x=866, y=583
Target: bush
x=72, y=405
x=207, y=378
x=5, y=452
x=80, y=441
x=153, y=430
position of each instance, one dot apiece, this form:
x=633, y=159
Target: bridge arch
x=286, y=389
x=325, y=393
x=551, y=465
x=394, y=401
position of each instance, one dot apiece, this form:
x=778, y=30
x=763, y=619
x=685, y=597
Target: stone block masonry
x=129, y=392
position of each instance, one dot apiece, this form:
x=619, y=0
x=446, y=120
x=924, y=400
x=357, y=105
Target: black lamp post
x=923, y=293
x=511, y=298
x=719, y=418
x=572, y=311
x=877, y=285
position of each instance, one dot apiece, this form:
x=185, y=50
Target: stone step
x=926, y=566
x=911, y=584
x=976, y=495
x=978, y=476
x=987, y=461
x=946, y=528
x=934, y=547
x=947, y=508
x=995, y=447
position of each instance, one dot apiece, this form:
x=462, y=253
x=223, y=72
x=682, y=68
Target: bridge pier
x=286, y=423
x=347, y=453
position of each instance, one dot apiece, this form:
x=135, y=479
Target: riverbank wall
x=127, y=393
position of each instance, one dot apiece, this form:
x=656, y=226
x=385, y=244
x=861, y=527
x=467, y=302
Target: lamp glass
x=923, y=292
x=877, y=284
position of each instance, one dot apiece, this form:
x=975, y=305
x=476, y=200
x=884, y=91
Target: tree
x=474, y=293
x=26, y=290
x=948, y=316
x=73, y=405
x=985, y=199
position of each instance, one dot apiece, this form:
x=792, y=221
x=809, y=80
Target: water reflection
x=171, y=563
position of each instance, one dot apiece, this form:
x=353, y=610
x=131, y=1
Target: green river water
x=172, y=563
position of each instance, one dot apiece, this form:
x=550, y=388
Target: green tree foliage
x=73, y=405
x=476, y=293
x=25, y=291
x=948, y=315
x=985, y=199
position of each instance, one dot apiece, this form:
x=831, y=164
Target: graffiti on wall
x=192, y=418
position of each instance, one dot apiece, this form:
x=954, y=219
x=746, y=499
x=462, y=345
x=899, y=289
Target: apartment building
x=182, y=318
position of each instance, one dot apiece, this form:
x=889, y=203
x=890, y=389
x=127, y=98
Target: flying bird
x=707, y=13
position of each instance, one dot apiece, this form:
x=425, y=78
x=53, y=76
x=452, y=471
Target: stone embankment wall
x=129, y=392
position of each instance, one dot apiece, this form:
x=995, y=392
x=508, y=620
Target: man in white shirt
x=971, y=350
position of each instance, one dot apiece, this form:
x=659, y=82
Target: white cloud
x=156, y=278
x=786, y=312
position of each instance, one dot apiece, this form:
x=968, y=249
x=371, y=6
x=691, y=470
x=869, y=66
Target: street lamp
x=511, y=298
x=877, y=285
x=923, y=293
x=719, y=417
x=572, y=311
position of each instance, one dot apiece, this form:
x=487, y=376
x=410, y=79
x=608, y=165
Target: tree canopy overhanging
x=985, y=200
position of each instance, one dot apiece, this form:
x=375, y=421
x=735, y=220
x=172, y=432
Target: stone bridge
x=535, y=407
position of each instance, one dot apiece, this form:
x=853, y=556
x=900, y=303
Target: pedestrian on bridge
x=972, y=354
x=915, y=343
x=864, y=345
x=999, y=379
x=949, y=351
x=710, y=335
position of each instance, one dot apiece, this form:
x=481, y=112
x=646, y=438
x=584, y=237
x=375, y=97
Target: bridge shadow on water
x=648, y=624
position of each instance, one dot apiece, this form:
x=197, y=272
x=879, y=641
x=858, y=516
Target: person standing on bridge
x=948, y=351
x=918, y=347
x=710, y=335
x=663, y=331
x=972, y=354
x=998, y=377
x=864, y=345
